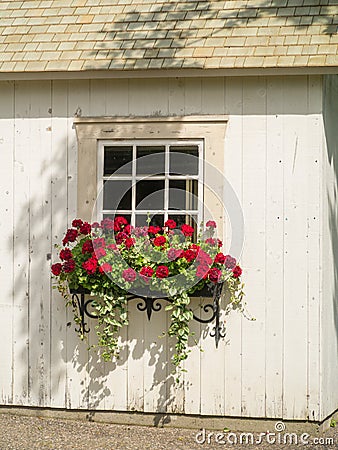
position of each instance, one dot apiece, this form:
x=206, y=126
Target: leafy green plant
x=111, y=259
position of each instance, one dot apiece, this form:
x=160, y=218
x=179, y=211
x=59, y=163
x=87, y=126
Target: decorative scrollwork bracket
x=151, y=304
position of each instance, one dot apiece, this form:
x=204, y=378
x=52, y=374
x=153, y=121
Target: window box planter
x=150, y=303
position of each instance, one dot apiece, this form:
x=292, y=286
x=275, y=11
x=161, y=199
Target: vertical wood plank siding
x=266, y=368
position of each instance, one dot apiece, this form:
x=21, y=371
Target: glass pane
x=156, y=220
x=186, y=164
x=117, y=195
x=183, y=194
x=189, y=219
x=112, y=216
x=150, y=194
x=153, y=163
x=115, y=158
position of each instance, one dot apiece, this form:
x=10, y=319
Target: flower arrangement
x=112, y=259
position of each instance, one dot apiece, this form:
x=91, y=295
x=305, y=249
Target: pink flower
x=107, y=224
x=211, y=241
x=99, y=242
x=100, y=252
x=129, y=275
x=211, y=224
x=174, y=254
x=203, y=257
x=105, y=268
x=230, y=262
x=202, y=271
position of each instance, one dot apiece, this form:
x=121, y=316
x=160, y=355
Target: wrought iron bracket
x=151, y=304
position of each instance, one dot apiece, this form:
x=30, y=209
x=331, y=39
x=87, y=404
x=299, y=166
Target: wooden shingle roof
x=87, y=35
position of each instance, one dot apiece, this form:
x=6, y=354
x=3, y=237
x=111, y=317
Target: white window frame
x=134, y=177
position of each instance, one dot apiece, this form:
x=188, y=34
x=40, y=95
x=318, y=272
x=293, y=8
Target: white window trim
x=90, y=130
x=167, y=177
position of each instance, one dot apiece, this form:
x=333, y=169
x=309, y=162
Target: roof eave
x=169, y=73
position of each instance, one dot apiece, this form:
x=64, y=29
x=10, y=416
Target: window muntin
x=166, y=187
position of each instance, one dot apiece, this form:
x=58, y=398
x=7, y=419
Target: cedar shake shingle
x=140, y=34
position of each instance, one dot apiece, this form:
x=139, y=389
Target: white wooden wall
x=273, y=153
x=329, y=307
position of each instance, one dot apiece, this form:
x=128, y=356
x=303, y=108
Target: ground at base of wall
x=38, y=432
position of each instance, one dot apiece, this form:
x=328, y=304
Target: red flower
x=189, y=255
x=162, y=272
x=171, y=224
x=120, y=237
x=237, y=272
x=153, y=229
x=87, y=247
x=56, y=269
x=112, y=247
x=159, y=241
x=214, y=275
x=187, y=230
x=69, y=266
x=100, y=252
x=71, y=236
x=66, y=254
x=219, y=243
x=203, y=257
x=77, y=223
x=99, y=242
x=129, y=242
x=129, y=275
x=85, y=228
x=105, y=268
x=96, y=225
x=202, y=271
x=146, y=272
x=128, y=229
x=220, y=258
x=119, y=223
x=211, y=224
x=90, y=265
x=230, y=262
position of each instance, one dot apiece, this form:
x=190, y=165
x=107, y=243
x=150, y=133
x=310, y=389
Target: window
x=157, y=178
x=124, y=136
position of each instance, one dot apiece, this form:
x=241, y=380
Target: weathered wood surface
x=273, y=159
